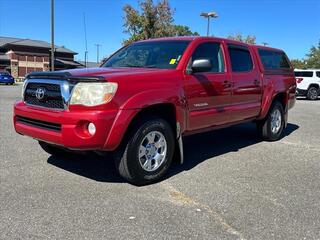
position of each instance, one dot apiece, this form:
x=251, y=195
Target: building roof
x=6, y=41
x=90, y=64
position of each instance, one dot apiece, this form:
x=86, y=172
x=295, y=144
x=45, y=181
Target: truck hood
x=103, y=74
x=110, y=73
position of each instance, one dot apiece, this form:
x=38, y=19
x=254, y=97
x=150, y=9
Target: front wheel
x=271, y=128
x=148, y=153
x=312, y=93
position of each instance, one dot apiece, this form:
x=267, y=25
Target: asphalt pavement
x=232, y=186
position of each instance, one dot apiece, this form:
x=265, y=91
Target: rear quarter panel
x=275, y=82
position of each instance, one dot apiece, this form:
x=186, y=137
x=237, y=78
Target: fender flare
x=134, y=105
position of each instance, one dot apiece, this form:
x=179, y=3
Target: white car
x=308, y=83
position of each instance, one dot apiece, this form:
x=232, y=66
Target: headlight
x=23, y=88
x=92, y=94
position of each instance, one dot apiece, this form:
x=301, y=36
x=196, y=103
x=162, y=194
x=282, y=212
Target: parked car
x=6, y=78
x=308, y=83
x=147, y=96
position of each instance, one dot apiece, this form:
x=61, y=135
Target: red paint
x=230, y=98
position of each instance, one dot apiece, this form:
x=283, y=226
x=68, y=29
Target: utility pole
x=98, y=46
x=85, y=39
x=208, y=16
x=52, y=35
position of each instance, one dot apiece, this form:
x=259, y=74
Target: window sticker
x=172, y=61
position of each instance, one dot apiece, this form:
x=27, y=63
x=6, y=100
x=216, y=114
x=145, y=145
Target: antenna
x=85, y=39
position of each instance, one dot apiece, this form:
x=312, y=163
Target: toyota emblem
x=40, y=92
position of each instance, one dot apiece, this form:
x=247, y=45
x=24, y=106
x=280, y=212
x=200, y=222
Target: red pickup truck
x=144, y=98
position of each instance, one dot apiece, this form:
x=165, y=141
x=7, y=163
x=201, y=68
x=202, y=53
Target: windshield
x=4, y=74
x=155, y=54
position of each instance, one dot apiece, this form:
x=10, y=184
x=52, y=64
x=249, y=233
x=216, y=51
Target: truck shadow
x=197, y=148
x=202, y=147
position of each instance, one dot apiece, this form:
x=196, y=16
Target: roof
x=192, y=38
x=90, y=64
x=4, y=57
x=5, y=41
x=68, y=62
x=307, y=69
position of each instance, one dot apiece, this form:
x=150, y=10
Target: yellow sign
x=173, y=61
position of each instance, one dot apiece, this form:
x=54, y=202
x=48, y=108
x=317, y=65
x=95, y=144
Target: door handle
x=256, y=82
x=227, y=83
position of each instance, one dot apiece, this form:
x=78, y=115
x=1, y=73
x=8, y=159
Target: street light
x=98, y=46
x=52, y=35
x=209, y=15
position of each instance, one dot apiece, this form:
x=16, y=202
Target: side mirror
x=201, y=65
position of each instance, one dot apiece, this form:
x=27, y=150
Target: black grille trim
x=40, y=124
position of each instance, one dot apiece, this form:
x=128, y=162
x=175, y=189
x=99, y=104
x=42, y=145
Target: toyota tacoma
x=148, y=95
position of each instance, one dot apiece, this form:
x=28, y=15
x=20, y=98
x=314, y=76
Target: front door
x=208, y=93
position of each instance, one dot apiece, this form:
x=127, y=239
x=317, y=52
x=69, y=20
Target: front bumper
x=72, y=132
x=301, y=92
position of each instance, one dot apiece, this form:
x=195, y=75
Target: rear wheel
x=51, y=149
x=312, y=93
x=148, y=153
x=272, y=126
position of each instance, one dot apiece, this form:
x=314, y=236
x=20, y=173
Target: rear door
x=208, y=93
x=247, y=83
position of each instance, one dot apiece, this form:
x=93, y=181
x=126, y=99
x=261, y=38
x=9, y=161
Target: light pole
x=98, y=46
x=52, y=35
x=208, y=16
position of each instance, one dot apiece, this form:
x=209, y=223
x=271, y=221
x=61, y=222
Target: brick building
x=22, y=56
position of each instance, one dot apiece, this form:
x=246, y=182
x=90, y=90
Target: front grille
x=40, y=124
x=52, y=97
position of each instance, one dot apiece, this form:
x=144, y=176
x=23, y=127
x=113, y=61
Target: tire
x=51, y=149
x=137, y=162
x=312, y=93
x=271, y=128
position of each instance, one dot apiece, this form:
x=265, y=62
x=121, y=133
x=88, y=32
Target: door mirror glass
x=201, y=65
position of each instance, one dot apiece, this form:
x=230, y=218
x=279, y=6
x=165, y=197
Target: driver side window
x=212, y=52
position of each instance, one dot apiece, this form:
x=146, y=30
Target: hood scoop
x=67, y=76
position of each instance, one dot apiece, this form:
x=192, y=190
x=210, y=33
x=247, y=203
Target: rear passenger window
x=318, y=74
x=273, y=60
x=304, y=74
x=212, y=52
x=241, y=60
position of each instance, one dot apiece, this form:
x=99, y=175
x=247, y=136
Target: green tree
x=250, y=39
x=313, y=57
x=180, y=30
x=153, y=20
x=299, y=64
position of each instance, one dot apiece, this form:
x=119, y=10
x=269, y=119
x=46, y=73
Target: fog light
x=91, y=129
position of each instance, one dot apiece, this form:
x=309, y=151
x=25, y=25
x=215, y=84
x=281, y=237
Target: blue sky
x=291, y=25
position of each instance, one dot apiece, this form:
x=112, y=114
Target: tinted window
x=4, y=74
x=212, y=52
x=155, y=54
x=273, y=60
x=303, y=73
x=318, y=74
x=240, y=59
